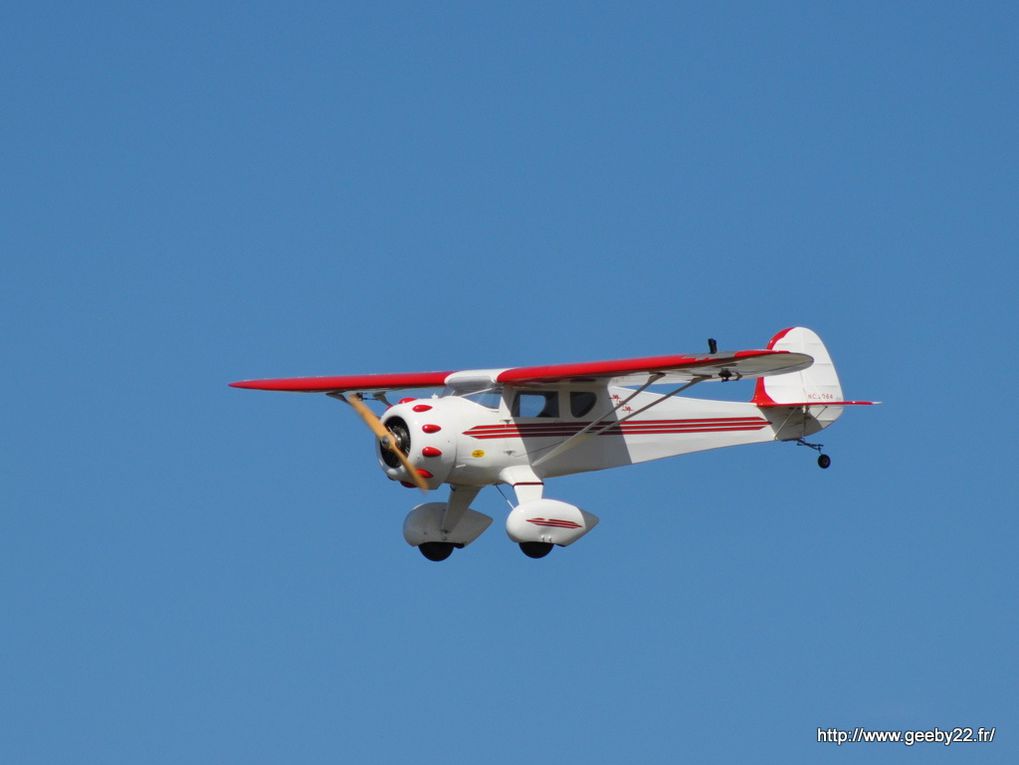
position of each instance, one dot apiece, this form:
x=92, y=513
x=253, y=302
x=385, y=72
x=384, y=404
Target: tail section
x=801, y=403
x=818, y=384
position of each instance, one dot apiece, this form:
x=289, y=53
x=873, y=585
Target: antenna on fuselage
x=712, y=345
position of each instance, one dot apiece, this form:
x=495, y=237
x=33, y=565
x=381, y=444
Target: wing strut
x=582, y=435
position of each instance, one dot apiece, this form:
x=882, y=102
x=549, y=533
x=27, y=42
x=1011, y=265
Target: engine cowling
x=548, y=521
x=425, y=432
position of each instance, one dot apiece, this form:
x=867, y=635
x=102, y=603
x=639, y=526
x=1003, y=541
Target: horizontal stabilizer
x=817, y=403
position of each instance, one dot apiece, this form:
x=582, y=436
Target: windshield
x=490, y=398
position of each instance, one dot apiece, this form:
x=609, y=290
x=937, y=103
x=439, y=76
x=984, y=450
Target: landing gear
x=535, y=549
x=823, y=461
x=436, y=550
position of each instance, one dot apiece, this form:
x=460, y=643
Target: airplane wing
x=669, y=369
x=638, y=371
x=345, y=383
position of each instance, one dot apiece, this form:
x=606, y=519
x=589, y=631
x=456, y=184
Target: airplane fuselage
x=500, y=436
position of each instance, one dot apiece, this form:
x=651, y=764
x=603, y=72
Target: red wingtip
x=347, y=382
x=255, y=385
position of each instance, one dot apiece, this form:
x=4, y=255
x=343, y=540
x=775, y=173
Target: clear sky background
x=196, y=193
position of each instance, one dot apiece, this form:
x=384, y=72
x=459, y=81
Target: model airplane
x=524, y=425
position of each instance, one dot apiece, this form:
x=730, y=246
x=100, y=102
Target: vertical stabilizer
x=817, y=384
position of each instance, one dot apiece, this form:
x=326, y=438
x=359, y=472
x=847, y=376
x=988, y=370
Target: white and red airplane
x=524, y=425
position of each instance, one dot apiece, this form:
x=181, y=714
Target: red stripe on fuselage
x=635, y=428
x=628, y=424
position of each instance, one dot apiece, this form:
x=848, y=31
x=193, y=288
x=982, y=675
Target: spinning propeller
x=386, y=438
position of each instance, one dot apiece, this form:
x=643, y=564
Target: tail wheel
x=536, y=549
x=824, y=462
x=436, y=550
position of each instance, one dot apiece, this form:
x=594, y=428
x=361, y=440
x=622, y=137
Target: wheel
x=824, y=461
x=436, y=550
x=536, y=549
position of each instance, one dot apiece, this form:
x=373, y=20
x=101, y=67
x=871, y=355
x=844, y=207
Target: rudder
x=818, y=384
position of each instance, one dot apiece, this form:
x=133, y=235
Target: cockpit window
x=537, y=404
x=490, y=399
x=582, y=402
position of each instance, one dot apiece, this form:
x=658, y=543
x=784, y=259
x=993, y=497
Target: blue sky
x=195, y=194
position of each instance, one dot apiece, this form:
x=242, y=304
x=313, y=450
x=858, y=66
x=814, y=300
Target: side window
x=544, y=404
x=582, y=402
